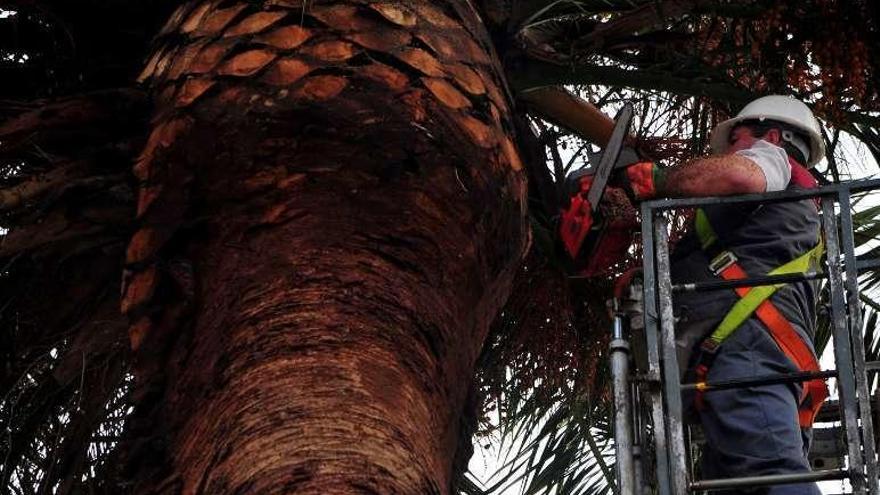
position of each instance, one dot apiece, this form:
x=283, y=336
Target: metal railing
x=658, y=387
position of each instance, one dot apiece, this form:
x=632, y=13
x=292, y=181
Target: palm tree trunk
x=331, y=213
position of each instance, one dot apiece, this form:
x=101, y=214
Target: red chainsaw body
x=597, y=241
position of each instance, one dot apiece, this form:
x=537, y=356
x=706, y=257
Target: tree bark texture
x=331, y=211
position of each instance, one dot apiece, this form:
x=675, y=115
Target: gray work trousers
x=754, y=431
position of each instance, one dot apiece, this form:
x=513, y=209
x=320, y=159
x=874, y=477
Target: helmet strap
x=798, y=142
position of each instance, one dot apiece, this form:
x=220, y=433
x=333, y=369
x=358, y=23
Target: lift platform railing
x=659, y=386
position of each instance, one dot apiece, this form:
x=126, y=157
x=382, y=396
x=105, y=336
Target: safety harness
x=756, y=300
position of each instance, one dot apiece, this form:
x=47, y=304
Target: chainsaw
x=596, y=238
x=594, y=234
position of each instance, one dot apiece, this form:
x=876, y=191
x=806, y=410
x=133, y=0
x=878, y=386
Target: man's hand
x=641, y=180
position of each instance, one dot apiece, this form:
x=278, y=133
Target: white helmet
x=782, y=109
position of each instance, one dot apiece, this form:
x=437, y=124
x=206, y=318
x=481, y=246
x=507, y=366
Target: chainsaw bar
x=610, y=155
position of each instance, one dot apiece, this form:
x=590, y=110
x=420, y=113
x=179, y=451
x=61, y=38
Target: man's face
x=741, y=138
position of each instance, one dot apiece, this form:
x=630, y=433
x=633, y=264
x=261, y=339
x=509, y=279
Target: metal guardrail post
x=830, y=190
x=766, y=480
x=652, y=331
x=671, y=379
x=858, y=349
x=842, y=349
x=759, y=380
x=623, y=409
x=639, y=438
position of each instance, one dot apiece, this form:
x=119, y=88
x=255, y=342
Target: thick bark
x=331, y=213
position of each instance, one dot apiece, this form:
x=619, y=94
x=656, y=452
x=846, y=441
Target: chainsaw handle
x=563, y=108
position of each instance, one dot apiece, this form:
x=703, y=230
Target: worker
x=759, y=430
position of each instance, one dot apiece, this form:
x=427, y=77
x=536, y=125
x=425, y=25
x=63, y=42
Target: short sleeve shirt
x=773, y=161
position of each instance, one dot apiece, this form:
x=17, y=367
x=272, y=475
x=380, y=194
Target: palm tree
x=317, y=210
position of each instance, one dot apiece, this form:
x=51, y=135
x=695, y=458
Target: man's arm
x=759, y=168
x=719, y=175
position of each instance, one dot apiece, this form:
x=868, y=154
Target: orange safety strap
x=786, y=337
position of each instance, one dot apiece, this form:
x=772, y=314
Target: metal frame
x=652, y=379
x=661, y=386
x=624, y=443
x=855, y=315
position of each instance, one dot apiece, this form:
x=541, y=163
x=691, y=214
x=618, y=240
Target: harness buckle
x=722, y=262
x=709, y=346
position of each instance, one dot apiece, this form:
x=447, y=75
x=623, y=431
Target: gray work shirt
x=763, y=237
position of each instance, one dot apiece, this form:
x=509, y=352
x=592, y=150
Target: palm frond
x=563, y=450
